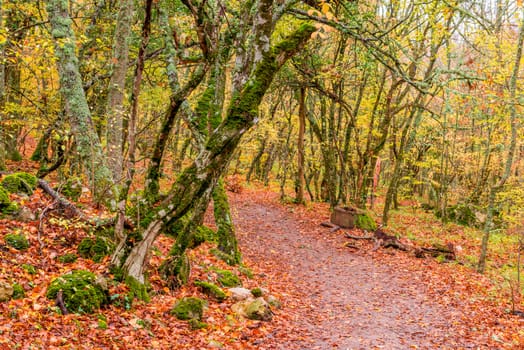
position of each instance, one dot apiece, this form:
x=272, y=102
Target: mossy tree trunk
x=227, y=240
x=299, y=180
x=210, y=164
x=77, y=110
x=2, y=89
x=115, y=97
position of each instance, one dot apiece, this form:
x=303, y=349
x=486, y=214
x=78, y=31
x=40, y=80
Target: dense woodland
x=151, y=105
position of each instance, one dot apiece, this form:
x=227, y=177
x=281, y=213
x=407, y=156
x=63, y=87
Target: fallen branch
x=60, y=302
x=61, y=201
x=347, y=235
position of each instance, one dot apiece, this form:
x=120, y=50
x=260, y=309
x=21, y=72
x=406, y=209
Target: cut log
x=447, y=251
x=381, y=239
x=344, y=217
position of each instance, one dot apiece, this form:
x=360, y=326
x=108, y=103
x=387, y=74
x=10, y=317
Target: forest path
x=338, y=299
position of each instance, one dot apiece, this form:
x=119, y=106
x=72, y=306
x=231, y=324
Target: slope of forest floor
x=332, y=296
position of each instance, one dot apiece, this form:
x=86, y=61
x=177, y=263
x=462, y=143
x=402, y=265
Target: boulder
x=6, y=291
x=239, y=293
x=259, y=309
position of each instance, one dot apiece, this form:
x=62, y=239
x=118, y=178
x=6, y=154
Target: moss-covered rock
x=189, y=308
x=67, y=258
x=82, y=293
x=4, y=198
x=18, y=291
x=17, y=241
x=212, y=290
x=246, y=271
x=20, y=183
x=364, y=221
x=257, y=292
x=94, y=248
x=196, y=324
x=227, y=278
x=259, y=309
x=6, y=206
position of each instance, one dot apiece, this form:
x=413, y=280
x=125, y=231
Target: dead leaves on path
x=32, y=321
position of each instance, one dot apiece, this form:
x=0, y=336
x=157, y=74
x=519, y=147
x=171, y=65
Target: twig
x=347, y=235
x=60, y=302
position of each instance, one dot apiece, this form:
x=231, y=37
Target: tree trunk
x=212, y=161
x=227, y=241
x=511, y=149
x=299, y=181
x=87, y=141
x=115, y=98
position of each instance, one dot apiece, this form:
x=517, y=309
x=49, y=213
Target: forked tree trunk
x=211, y=162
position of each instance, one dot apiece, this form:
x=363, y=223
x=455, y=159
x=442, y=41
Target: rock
x=213, y=344
x=259, y=310
x=212, y=290
x=189, y=308
x=239, y=293
x=274, y=302
x=6, y=291
x=25, y=214
x=240, y=307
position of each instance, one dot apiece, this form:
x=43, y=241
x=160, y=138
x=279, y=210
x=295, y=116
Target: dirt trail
x=344, y=300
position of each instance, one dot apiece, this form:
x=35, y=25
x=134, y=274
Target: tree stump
x=344, y=217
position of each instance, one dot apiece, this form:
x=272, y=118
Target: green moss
x=257, y=292
x=95, y=249
x=18, y=291
x=364, y=221
x=4, y=198
x=81, y=293
x=137, y=290
x=196, y=324
x=175, y=270
x=72, y=188
x=204, y=234
x=246, y=271
x=12, y=208
x=68, y=258
x=189, y=308
x=17, y=241
x=20, y=183
x=30, y=269
x=227, y=278
x=212, y=290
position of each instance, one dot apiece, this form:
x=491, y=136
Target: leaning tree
x=251, y=38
